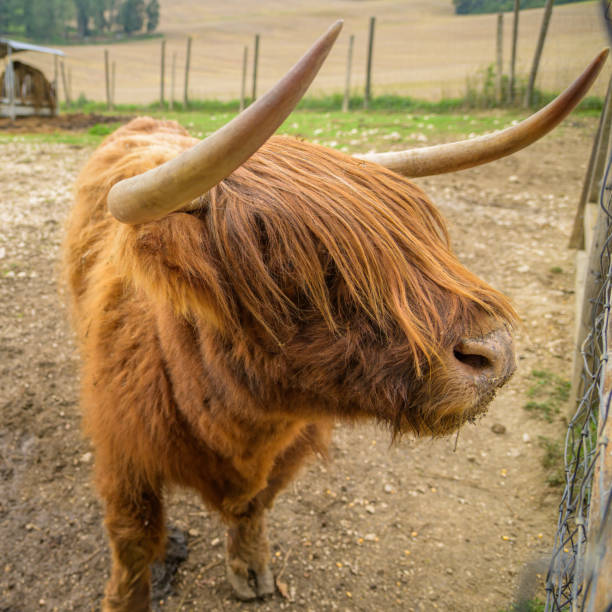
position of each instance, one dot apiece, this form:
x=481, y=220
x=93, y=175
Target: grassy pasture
x=353, y=132
x=422, y=48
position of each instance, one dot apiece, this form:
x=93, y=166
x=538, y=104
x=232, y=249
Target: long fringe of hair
x=283, y=228
x=303, y=212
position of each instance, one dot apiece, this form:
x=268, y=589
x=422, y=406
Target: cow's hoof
x=265, y=583
x=241, y=585
x=250, y=585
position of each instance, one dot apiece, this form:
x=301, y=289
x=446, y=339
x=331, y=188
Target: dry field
x=421, y=49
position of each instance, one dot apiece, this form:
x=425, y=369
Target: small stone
x=194, y=533
x=526, y=438
x=513, y=179
x=86, y=457
x=388, y=488
x=215, y=542
x=498, y=428
x=370, y=509
x=370, y=537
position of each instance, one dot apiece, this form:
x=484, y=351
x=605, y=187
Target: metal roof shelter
x=14, y=96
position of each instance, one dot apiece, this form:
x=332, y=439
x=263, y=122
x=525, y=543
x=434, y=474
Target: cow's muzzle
x=488, y=361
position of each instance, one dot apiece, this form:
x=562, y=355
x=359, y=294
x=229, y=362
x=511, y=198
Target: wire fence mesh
x=580, y=570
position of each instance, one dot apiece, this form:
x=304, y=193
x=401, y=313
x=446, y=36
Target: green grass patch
x=548, y=392
x=77, y=139
x=102, y=129
x=553, y=461
x=357, y=131
x=480, y=95
x=534, y=605
x=392, y=122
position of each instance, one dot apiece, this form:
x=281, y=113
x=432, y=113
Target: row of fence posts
x=506, y=96
x=109, y=70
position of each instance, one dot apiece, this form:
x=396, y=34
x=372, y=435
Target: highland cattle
x=234, y=298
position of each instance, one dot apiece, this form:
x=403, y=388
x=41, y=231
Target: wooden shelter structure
x=24, y=90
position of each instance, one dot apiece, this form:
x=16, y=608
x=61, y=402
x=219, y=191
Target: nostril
x=489, y=357
x=473, y=360
x=476, y=356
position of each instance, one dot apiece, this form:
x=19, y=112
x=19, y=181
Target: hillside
x=421, y=49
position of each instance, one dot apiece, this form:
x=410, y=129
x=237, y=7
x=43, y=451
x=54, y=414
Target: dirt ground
x=65, y=121
x=417, y=526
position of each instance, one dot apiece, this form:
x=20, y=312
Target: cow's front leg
x=135, y=525
x=248, y=556
x=247, y=542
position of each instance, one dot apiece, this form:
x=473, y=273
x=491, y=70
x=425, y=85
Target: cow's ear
x=171, y=261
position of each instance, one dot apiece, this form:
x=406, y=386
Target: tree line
x=463, y=7
x=56, y=20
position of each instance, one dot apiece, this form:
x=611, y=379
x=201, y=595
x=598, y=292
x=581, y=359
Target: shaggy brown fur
x=220, y=346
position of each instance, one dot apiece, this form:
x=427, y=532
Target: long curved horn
x=454, y=156
x=162, y=190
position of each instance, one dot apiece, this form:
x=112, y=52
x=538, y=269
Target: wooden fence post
x=113, y=89
x=589, y=262
x=65, y=83
x=255, y=62
x=172, y=81
x=187, y=62
x=245, y=59
x=589, y=233
x=368, y=85
x=107, y=80
x=347, y=81
x=511, y=85
x=500, y=63
x=163, y=74
x=11, y=84
x=538, y=53
x=56, y=84
x=602, y=158
x=598, y=152
x=599, y=539
x=585, y=302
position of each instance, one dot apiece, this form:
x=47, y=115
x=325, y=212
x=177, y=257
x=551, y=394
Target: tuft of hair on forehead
x=296, y=215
